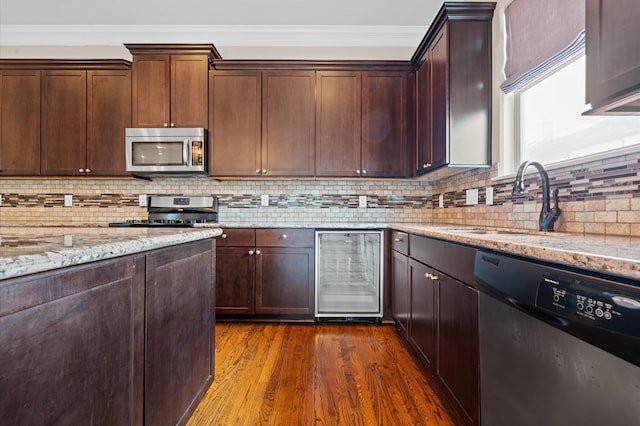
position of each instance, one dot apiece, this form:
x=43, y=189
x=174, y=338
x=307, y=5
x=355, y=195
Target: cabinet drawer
x=455, y=260
x=235, y=237
x=400, y=242
x=284, y=237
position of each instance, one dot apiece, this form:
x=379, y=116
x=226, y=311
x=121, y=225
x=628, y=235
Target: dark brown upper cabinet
x=361, y=123
x=262, y=122
x=64, y=117
x=170, y=84
x=288, y=123
x=235, y=123
x=613, y=57
x=20, y=122
x=453, y=89
x=338, y=123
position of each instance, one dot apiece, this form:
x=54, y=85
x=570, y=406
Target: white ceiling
x=240, y=29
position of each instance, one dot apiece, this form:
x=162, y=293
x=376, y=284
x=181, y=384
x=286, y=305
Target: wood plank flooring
x=317, y=374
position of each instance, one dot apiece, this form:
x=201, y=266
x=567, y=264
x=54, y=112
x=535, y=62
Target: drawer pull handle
x=397, y=240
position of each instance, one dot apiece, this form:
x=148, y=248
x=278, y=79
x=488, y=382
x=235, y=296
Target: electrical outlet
x=362, y=201
x=264, y=200
x=472, y=197
x=68, y=200
x=142, y=200
x=441, y=200
x=488, y=198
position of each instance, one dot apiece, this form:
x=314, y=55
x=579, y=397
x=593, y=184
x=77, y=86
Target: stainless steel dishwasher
x=349, y=272
x=557, y=346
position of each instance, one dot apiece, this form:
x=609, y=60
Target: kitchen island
x=105, y=326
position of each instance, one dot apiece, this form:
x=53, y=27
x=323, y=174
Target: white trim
x=219, y=35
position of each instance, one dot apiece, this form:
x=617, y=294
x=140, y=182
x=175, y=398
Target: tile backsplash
x=600, y=197
x=41, y=202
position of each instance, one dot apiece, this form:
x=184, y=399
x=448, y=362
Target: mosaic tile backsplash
x=600, y=197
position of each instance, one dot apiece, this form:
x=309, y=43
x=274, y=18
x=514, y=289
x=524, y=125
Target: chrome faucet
x=548, y=215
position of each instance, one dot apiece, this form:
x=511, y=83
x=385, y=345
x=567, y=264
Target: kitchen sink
x=489, y=231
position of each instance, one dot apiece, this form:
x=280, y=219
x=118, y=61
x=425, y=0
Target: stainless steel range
x=177, y=211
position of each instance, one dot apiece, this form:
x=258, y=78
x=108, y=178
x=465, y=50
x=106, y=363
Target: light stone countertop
x=27, y=250
x=605, y=254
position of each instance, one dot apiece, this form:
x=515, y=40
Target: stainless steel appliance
x=349, y=271
x=557, y=346
x=170, y=150
x=177, y=211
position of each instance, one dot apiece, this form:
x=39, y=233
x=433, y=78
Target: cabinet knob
x=264, y=171
x=172, y=125
x=425, y=165
x=225, y=236
x=257, y=171
x=250, y=252
x=431, y=276
x=258, y=252
x=284, y=236
x=364, y=172
x=166, y=124
x=80, y=170
x=87, y=170
x=397, y=240
x=357, y=172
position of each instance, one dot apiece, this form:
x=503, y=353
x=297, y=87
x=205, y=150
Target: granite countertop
x=606, y=254
x=27, y=250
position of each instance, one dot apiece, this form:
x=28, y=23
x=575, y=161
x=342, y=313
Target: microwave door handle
x=186, y=152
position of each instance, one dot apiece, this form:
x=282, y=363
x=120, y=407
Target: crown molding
x=220, y=35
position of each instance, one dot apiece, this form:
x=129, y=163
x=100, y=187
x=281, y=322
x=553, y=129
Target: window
x=550, y=127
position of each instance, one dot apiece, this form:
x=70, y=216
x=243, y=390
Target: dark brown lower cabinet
x=265, y=272
x=284, y=281
x=443, y=315
x=400, y=291
x=71, y=345
x=422, y=316
x=235, y=272
x=127, y=341
x=458, y=367
x=178, y=331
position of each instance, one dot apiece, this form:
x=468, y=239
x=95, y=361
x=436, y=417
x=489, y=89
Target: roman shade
x=540, y=34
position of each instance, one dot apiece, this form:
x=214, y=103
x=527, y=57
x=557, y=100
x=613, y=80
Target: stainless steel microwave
x=172, y=150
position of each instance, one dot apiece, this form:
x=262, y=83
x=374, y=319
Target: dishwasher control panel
x=610, y=306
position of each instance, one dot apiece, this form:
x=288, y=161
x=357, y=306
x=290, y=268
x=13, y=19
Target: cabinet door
x=439, y=93
x=288, y=123
x=423, y=115
x=458, y=353
x=338, y=118
x=72, y=345
x=20, y=122
x=108, y=115
x=384, y=123
x=613, y=56
x=235, y=275
x=235, y=123
x=284, y=281
x=422, y=315
x=150, y=86
x=400, y=290
x=179, y=330
x=64, y=122
x=189, y=91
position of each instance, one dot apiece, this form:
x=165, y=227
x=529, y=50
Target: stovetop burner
x=172, y=211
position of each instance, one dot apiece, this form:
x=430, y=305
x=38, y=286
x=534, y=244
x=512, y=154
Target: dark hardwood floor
x=308, y=374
